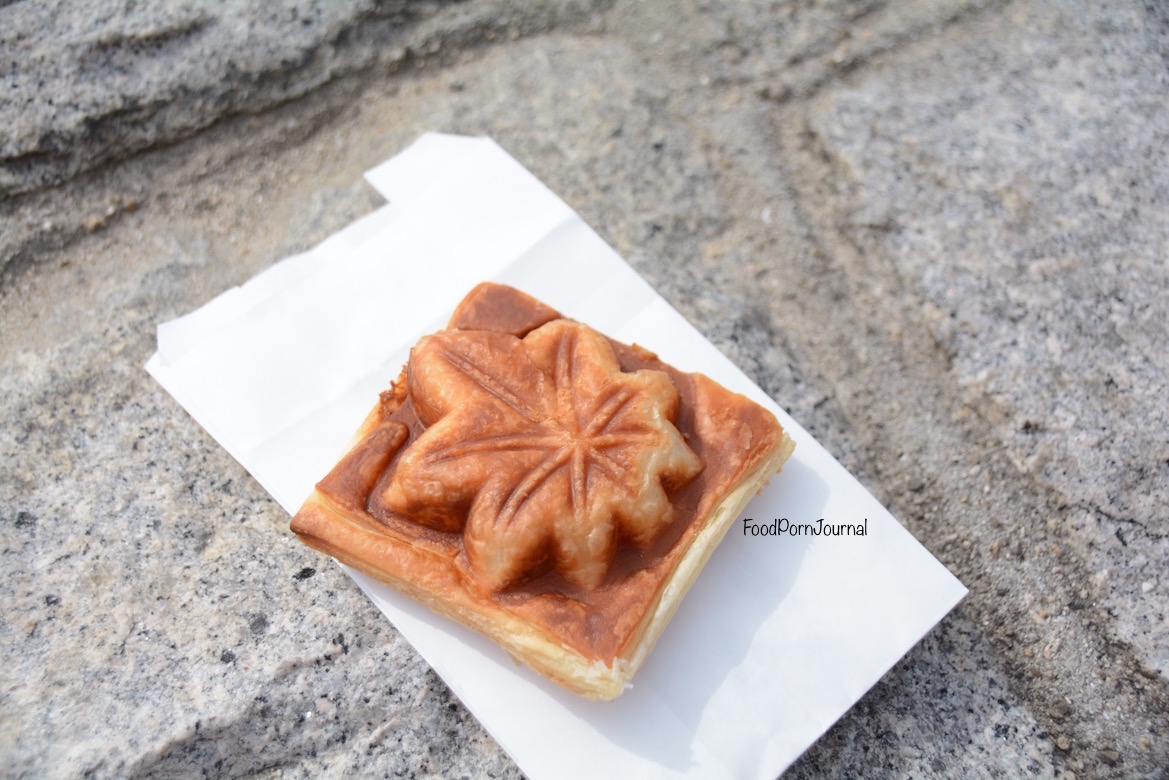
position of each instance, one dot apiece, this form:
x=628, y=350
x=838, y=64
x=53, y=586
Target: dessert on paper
x=776, y=640
x=549, y=487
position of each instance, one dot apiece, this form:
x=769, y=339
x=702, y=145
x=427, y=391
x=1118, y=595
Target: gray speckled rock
x=1017, y=179
x=933, y=231
x=87, y=82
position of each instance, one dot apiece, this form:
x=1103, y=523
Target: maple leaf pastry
x=554, y=489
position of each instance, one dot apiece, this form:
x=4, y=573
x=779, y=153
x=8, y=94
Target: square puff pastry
x=549, y=487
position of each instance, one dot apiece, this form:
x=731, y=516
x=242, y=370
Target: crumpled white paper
x=778, y=637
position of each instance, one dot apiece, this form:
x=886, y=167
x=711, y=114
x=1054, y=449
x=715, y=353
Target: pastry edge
x=321, y=525
x=693, y=561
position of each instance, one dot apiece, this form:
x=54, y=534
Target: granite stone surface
x=935, y=232
x=92, y=81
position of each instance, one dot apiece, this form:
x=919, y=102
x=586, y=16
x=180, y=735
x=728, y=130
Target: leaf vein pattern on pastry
x=541, y=450
x=534, y=481
x=494, y=444
x=491, y=383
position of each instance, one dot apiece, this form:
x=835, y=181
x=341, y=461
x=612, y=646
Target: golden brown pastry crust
x=553, y=489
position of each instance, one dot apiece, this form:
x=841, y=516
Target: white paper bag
x=779, y=636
